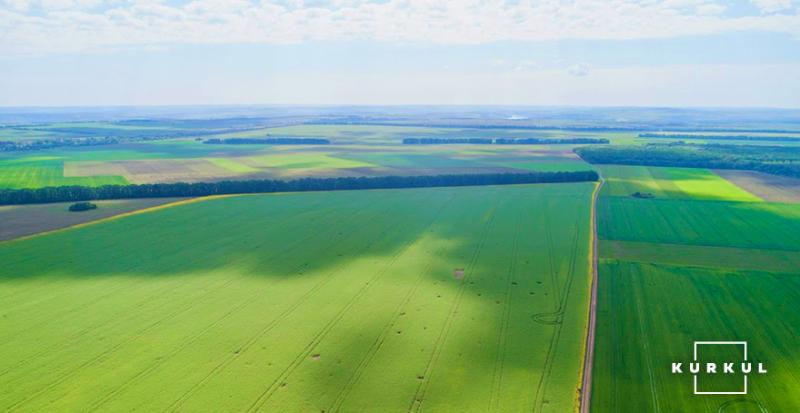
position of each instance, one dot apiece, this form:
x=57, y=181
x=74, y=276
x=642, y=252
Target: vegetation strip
x=720, y=137
x=82, y=193
x=588, y=359
x=777, y=160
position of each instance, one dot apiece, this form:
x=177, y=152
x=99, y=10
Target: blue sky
x=548, y=52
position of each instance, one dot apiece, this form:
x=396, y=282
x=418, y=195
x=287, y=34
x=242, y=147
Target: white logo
x=742, y=367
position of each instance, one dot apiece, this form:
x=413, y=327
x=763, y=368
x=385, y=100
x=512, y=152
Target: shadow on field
x=270, y=235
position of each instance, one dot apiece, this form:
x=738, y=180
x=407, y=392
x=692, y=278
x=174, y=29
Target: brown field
x=22, y=220
x=152, y=170
x=768, y=187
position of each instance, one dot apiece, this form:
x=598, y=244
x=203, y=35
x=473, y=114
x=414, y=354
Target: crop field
x=355, y=151
x=39, y=174
x=768, y=187
x=680, y=269
x=454, y=299
x=681, y=183
x=636, y=344
x=23, y=220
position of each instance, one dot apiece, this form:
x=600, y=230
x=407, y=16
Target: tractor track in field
x=253, y=339
x=373, y=350
x=70, y=373
x=541, y=388
x=82, y=333
x=131, y=338
x=120, y=269
x=422, y=388
x=499, y=362
x=152, y=367
x=269, y=391
x=588, y=358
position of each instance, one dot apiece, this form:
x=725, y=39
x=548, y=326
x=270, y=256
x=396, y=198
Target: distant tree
x=777, y=160
x=267, y=141
x=82, y=206
x=82, y=193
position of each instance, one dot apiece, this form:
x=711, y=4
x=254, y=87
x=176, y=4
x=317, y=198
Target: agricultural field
x=24, y=220
x=702, y=260
x=355, y=150
x=438, y=299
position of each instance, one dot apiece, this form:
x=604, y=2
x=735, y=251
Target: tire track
x=373, y=350
x=198, y=335
x=162, y=292
x=139, y=333
x=328, y=327
x=541, y=388
x=497, y=375
x=422, y=388
x=249, y=343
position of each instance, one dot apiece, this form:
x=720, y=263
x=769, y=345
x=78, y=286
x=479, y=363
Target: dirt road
x=588, y=359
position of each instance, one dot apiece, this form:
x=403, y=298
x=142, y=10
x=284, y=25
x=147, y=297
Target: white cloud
x=772, y=6
x=580, y=70
x=68, y=26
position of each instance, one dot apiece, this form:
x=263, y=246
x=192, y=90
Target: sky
x=743, y=53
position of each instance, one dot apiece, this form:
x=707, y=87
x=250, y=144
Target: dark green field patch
x=651, y=315
x=713, y=223
x=702, y=256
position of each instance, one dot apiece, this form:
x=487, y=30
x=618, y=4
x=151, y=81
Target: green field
x=342, y=301
x=680, y=183
x=699, y=262
x=38, y=174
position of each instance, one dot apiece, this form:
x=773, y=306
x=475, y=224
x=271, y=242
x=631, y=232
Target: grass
x=637, y=344
x=305, y=302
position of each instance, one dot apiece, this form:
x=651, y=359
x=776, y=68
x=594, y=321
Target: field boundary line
x=588, y=358
x=118, y=216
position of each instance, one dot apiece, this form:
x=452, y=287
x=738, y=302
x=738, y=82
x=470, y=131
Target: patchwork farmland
x=697, y=259
x=275, y=303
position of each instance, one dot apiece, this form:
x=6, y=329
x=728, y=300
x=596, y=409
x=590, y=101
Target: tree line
x=84, y=193
x=35, y=145
x=720, y=137
x=503, y=141
x=776, y=160
x=267, y=141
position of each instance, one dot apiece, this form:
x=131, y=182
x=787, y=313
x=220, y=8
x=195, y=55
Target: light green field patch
x=703, y=184
x=347, y=300
x=232, y=165
x=667, y=182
